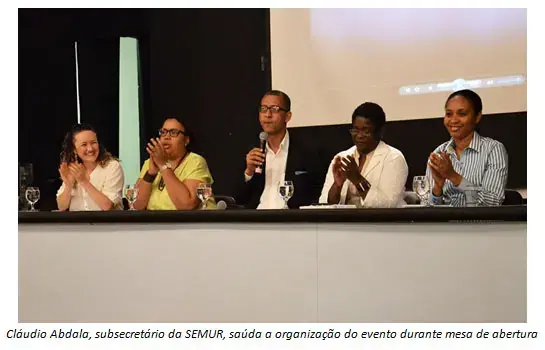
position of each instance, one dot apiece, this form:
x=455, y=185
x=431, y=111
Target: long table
x=436, y=264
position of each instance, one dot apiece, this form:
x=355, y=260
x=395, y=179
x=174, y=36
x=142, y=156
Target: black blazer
x=302, y=169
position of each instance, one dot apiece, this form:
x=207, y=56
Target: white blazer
x=387, y=173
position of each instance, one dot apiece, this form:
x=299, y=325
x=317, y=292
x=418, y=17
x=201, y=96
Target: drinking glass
x=421, y=186
x=472, y=196
x=285, y=189
x=204, y=192
x=131, y=193
x=32, y=195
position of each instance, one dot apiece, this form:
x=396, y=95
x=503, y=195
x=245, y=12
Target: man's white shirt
x=275, y=172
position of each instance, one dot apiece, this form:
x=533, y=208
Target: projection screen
x=407, y=60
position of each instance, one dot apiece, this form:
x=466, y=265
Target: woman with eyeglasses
x=371, y=173
x=170, y=177
x=92, y=179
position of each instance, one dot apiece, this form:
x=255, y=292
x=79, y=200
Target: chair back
x=411, y=198
x=230, y=201
x=512, y=197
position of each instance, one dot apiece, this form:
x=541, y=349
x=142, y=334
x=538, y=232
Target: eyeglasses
x=355, y=132
x=273, y=109
x=171, y=132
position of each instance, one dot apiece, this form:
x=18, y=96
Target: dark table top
x=409, y=214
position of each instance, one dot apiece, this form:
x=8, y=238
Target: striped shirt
x=482, y=164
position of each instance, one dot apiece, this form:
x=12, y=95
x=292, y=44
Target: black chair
x=230, y=201
x=411, y=198
x=513, y=197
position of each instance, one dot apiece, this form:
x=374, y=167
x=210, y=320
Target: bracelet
x=149, y=178
x=363, y=186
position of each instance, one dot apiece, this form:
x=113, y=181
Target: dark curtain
x=47, y=82
x=98, y=65
x=144, y=98
x=167, y=65
x=204, y=66
x=47, y=99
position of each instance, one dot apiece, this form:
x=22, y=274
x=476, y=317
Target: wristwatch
x=165, y=167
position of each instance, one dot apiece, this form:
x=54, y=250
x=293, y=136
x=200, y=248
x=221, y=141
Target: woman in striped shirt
x=467, y=159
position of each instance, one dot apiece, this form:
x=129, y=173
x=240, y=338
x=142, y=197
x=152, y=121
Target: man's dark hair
x=285, y=97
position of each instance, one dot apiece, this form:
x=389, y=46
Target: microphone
x=263, y=136
x=221, y=205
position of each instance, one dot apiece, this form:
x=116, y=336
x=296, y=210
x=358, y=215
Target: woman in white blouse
x=92, y=179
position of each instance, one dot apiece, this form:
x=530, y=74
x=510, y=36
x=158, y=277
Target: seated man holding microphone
x=284, y=158
x=371, y=173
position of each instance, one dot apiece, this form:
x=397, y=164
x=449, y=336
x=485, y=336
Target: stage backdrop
x=208, y=66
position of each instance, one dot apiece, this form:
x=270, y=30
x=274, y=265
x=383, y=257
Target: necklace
x=162, y=182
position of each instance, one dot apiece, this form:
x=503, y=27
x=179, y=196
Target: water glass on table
x=286, y=190
x=131, y=193
x=32, y=195
x=421, y=186
x=204, y=192
x=471, y=193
